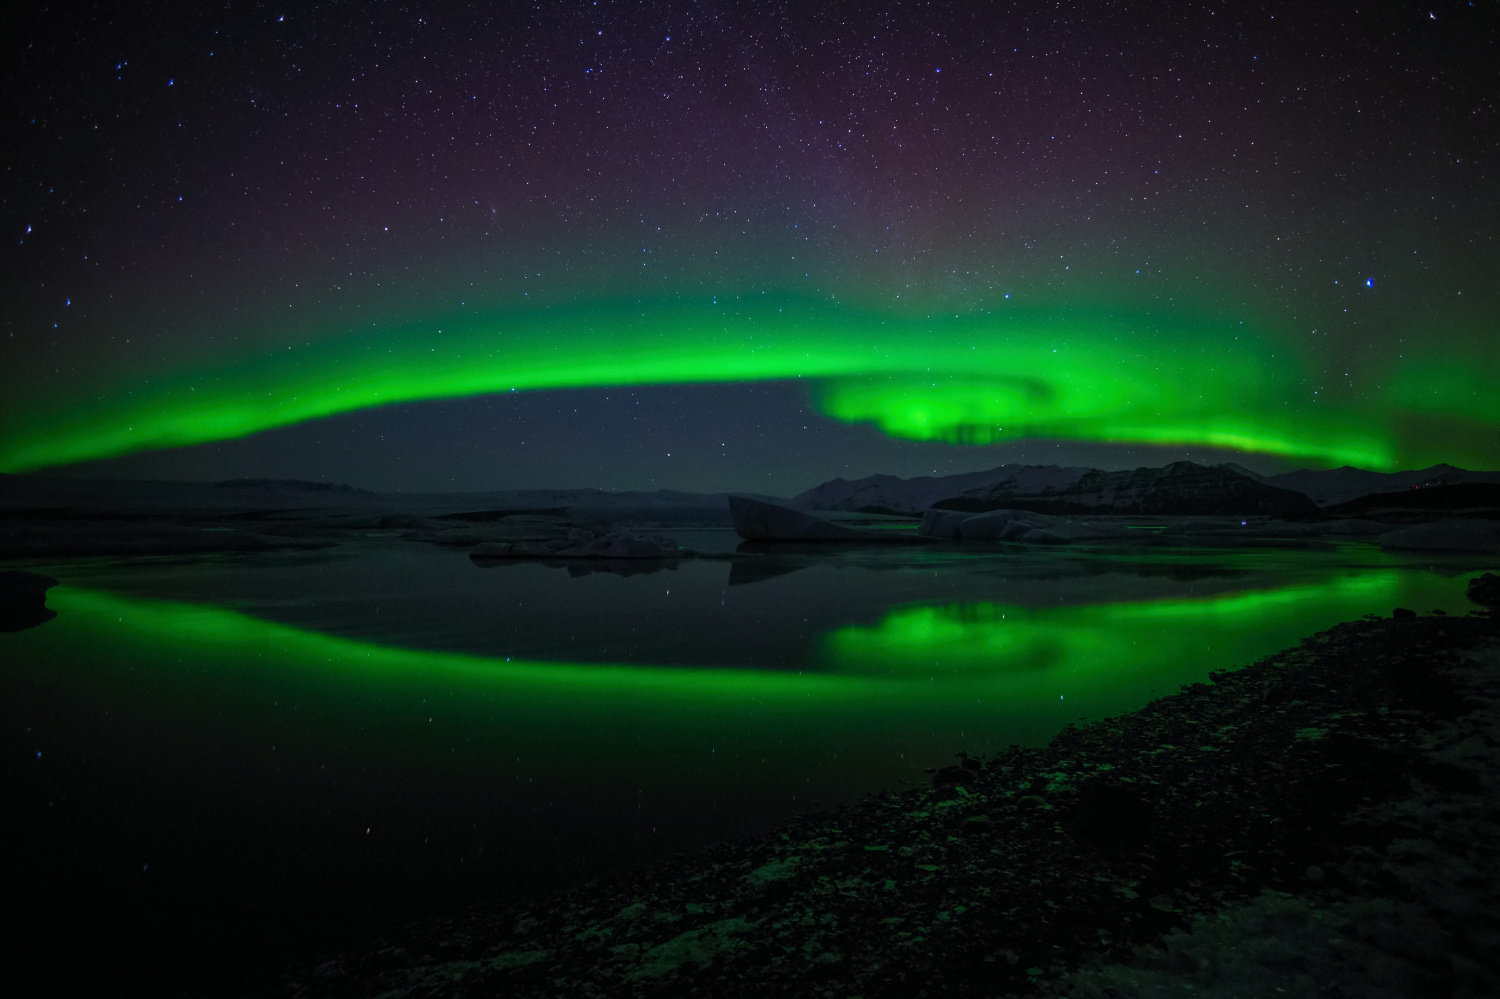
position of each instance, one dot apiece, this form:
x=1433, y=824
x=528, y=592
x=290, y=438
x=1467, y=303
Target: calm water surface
x=218, y=765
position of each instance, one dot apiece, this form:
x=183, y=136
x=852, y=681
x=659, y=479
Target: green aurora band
x=1081, y=374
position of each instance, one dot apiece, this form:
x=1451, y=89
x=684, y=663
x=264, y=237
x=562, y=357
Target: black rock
x=977, y=824
x=1447, y=778
x=948, y=776
x=1485, y=590
x=15, y=585
x=1112, y=817
x=1401, y=613
x=23, y=600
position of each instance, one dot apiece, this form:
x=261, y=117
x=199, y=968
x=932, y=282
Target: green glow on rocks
x=983, y=377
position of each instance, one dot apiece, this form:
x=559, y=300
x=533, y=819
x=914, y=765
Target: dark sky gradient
x=189, y=188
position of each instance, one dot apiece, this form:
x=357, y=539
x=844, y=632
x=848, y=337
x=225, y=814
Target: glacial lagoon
x=249, y=760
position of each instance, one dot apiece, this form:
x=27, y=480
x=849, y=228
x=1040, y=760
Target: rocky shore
x=1323, y=822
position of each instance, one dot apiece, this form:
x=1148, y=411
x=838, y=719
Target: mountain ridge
x=1334, y=486
x=1178, y=488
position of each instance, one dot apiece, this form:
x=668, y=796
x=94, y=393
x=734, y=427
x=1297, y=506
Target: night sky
x=745, y=246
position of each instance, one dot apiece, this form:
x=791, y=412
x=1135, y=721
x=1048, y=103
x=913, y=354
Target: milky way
x=1267, y=232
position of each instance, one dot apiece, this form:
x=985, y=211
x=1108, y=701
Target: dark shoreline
x=1310, y=773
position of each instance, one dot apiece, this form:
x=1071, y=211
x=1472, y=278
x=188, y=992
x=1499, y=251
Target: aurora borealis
x=925, y=380
x=1268, y=234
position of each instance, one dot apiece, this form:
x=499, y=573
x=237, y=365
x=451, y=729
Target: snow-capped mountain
x=909, y=497
x=1181, y=488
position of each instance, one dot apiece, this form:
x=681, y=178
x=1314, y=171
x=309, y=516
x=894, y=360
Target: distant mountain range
x=1182, y=488
x=1333, y=486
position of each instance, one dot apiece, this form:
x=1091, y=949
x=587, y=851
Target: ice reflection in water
x=995, y=645
x=343, y=743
